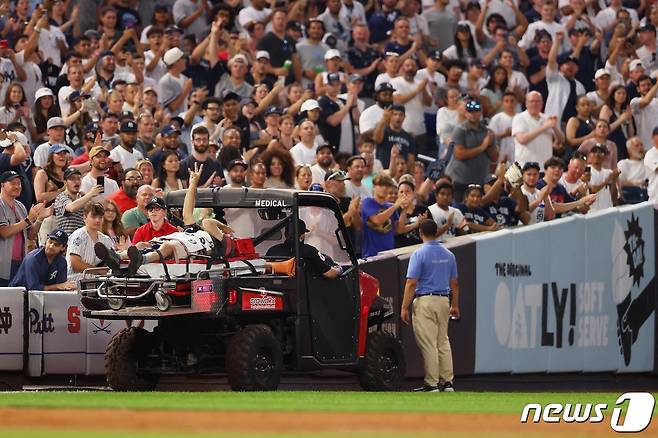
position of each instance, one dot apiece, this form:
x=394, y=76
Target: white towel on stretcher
x=156, y=270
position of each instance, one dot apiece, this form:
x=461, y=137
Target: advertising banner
x=572, y=295
x=63, y=329
x=12, y=335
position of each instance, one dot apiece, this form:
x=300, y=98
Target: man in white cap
x=174, y=87
x=235, y=80
x=312, y=50
x=56, y=133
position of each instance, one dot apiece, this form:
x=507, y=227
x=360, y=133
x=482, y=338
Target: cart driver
x=316, y=262
x=210, y=238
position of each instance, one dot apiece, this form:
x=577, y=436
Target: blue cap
x=316, y=187
x=59, y=236
x=57, y=148
x=169, y=130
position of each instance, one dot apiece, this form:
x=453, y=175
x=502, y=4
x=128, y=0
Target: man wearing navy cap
x=45, y=267
x=475, y=149
x=126, y=154
x=170, y=141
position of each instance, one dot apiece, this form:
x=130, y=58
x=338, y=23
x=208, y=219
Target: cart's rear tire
x=122, y=357
x=384, y=367
x=254, y=360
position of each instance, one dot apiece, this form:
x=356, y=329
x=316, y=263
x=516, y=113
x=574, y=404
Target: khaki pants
x=430, y=323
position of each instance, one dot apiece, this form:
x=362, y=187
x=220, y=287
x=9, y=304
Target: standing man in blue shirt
x=432, y=286
x=45, y=267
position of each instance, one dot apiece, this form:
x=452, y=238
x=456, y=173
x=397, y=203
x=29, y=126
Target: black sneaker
x=447, y=387
x=91, y=303
x=136, y=260
x=109, y=257
x=427, y=388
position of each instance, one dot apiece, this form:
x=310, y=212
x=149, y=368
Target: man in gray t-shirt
x=311, y=51
x=174, y=87
x=442, y=23
x=475, y=149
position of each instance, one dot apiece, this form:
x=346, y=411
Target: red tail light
x=232, y=296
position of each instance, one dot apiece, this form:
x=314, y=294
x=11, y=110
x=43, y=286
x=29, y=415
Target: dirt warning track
x=290, y=422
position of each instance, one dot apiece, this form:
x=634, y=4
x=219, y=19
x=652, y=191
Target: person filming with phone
x=98, y=157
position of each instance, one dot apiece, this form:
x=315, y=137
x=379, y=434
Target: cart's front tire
x=384, y=367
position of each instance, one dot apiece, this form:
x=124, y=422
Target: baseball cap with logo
x=156, y=202
x=172, y=56
x=168, y=130
x=8, y=175
x=55, y=122
x=128, y=126
x=332, y=78
x=384, y=86
x=92, y=127
x=272, y=111
x=59, y=236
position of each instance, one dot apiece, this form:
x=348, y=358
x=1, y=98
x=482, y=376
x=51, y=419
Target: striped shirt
x=69, y=221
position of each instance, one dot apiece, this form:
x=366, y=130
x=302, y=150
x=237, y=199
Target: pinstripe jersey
x=80, y=243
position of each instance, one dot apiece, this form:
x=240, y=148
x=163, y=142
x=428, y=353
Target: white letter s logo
x=638, y=414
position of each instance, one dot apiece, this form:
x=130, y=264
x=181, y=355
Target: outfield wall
x=571, y=295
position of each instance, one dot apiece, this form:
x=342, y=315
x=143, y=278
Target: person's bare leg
x=214, y=228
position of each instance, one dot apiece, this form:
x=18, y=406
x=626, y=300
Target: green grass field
x=307, y=401
x=287, y=401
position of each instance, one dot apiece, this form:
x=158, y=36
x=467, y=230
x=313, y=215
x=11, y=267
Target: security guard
x=432, y=286
x=316, y=262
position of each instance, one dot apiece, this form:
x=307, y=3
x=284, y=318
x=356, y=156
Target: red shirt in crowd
x=146, y=232
x=124, y=202
x=80, y=159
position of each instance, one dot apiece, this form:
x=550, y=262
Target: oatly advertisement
x=578, y=296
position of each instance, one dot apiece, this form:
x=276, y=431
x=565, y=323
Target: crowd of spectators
x=401, y=109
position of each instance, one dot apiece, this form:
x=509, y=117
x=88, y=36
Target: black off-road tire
x=254, y=360
x=122, y=355
x=384, y=367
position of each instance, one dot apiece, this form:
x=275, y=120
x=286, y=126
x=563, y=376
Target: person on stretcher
x=210, y=239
